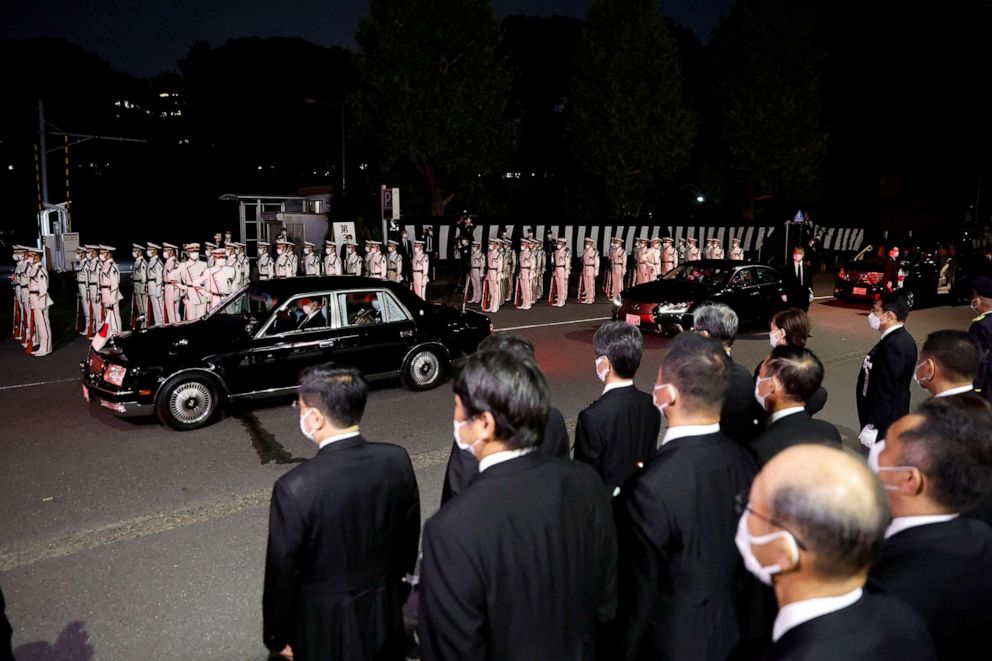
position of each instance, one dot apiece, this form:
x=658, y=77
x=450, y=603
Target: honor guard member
x=227, y=238
x=692, y=251
x=311, y=261
x=195, y=295
x=523, y=297
x=266, y=265
x=366, y=259
x=172, y=285
x=736, y=252
x=244, y=264
x=284, y=262
x=93, y=284
x=654, y=258
x=21, y=310
x=590, y=271
x=294, y=260
x=156, y=291
x=618, y=267
x=110, y=290
x=669, y=256
x=540, y=267
x=84, y=313
x=353, y=261
x=332, y=263
x=421, y=265
x=394, y=262
x=708, y=251
x=716, y=250
x=377, y=261
x=981, y=332
x=209, y=247
x=219, y=279
x=139, y=282
x=509, y=266
x=643, y=253
x=39, y=302
x=491, y=297
x=558, y=293
x=477, y=261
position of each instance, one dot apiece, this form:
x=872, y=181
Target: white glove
x=868, y=436
x=784, y=298
x=811, y=297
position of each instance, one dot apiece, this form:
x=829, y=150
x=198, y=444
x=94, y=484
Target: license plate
x=633, y=320
x=860, y=291
x=86, y=393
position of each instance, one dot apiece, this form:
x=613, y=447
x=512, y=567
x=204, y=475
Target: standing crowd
x=747, y=532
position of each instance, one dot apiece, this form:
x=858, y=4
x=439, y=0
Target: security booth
x=58, y=243
x=262, y=217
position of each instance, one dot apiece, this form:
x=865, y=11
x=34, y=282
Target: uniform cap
x=169, y=246
x=307, y=243
x=983, y=286
x=79, y=249
x=736, y=240
x=329, y=243
x=263, y=246
x=394, y=243
x=209, y=244
x=691, y=240
x=154, y=246
x=375, y=243
x=422, y=242
x=90, y=246
x=666, y=238
x=36, y=251
x=656, y=239
x=588, y=239
x=616, y=239
x=104, y=248
x=474, y=243
x=192, y=246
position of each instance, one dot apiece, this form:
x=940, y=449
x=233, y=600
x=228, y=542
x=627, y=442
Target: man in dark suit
x=890, y=269
x=740, y=418
x=463, y=467
x=340, y=544
x=675, y=519
x=887, y=371
x=981, y=332
x=619, y=431
x=812, y=522
x=935, y=464
x=786, y=378
x=6, y=654
x=522, y=565
x=948, y=363
x=797, y=281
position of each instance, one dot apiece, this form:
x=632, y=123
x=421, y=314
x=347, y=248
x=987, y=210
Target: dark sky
x=144, y=37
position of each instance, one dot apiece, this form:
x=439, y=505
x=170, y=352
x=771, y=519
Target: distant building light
x=259, y=167
x=700, y=198
x=363, y=166
x=10, y=168
x=163, y=95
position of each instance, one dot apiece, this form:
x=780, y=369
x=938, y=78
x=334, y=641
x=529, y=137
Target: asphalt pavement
x=122, y=539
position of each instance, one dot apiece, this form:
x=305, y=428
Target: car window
x=394, y=311
x=696, y=273
x=744, y=278
x=767, y=276
x=304, y=313
x=249, y=301
x=360, y=308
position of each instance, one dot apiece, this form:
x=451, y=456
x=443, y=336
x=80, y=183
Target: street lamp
x=340, y=106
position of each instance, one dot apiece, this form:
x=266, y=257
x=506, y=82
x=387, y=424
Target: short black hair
x=957, y=354
x=697, y=367
x=507, y=343
x=895, y=302
x=510, y=388
x=798, y=370
x=622, y=344
x=338, y=391
x=952, y=446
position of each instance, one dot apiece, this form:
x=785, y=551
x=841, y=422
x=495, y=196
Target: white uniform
x=477, y=263
x=669, y=258
x=644, y=269
x=218, y=281
x=266, y=266
x=590, y=271
x=26, y=314
x=332, y=263
x=83, y=291
x=40, y=301
x=139, y=296
x=172, y=276
x=559, y=280
x=196, y=296
x=692, y=253
x=284, y=266
x=311, y=264
x=93, y=285
x=509, y=267
x=654, y=261
x=421, y=269
x=491, y=292
x=353, y=263
x=524, y=295
x=156, y=291
x=394, y=267
x=737, y=253
x=618, y=270
x=110, y=296
x=376, y=265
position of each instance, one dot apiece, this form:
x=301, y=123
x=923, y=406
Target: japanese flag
x=100, y=337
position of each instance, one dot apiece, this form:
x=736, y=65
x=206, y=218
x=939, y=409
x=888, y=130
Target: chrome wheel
x=424, y=369
x=190, y=403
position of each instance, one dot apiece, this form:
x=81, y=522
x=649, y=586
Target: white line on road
x=820, y=298
x=38, y=383
x=553, y=323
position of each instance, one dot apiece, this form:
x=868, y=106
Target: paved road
x=123, y=540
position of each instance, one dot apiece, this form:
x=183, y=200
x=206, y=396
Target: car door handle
x=406, y=333
x=327, y=344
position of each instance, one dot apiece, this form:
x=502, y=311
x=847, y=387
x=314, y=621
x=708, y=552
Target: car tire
x=423, y=369
x=187, y=403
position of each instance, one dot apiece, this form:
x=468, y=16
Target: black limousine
x=256, y=342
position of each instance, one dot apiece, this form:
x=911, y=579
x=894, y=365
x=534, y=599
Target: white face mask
x=458, y=438
x=193, y=256
x=602, y=374
x=661, y=407
x=873, y=454
x=773, y=337
x=149, y=253
x=303, y=428
x=916, y=371
x=220, y=261
x=757, y=396
x=745, y=540
x=874, y=321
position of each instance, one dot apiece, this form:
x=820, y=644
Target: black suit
x=944, y=572
x=797, y=286
x=679, y=567
x=463, y=467
x=616, y=432
x=339, y=546
x=793, y=429
x=883, y=384
x=981, y=332
x=874, y=627
x=814, y=404
x=741, y=418
x=520, y=566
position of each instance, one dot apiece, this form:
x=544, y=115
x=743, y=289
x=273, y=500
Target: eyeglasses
x=742, y=505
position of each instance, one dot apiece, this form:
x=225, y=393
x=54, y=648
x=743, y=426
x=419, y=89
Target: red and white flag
x=100, y=337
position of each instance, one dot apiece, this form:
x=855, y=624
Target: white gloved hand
x=784, y=298
x=868, y=436
x=811, y=297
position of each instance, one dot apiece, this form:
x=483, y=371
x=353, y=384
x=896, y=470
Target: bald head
x=832, y=503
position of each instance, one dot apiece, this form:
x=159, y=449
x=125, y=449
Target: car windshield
x=250, y=301
x=708, y=275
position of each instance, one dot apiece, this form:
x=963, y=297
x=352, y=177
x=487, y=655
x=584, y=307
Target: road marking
x=820, y=298
x=553, y=323
x=159, y=522
x=38, y=383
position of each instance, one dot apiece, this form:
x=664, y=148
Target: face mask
x=149, y=254
x=916, y=370
x=745, y=540
x=662, y=407
x=874, y=321
x=458, y=438
x=104, y=258
x=220, y=261
x=773, y=337
x=303, y=428
x=602, y=374
x=873, y=455
x=757, y=396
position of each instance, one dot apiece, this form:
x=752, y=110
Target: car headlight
x=115, y=374
x=674, y=308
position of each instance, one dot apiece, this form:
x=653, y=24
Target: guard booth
x=261, y=217
x=58, y=243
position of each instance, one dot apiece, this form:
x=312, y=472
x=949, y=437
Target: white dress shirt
x=500, y=457
x=778, y=415
x=901, y=523
x=689, y=430
x=956, y=391
x=798, y=612
x=894, y=328
x=336, y=438
x=617, y=384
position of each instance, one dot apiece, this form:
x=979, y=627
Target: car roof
x=722, y=263
x=285, y=287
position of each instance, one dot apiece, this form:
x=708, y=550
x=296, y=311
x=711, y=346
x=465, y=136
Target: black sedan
x=665, y=305
x=257, y=341
x=924, y=278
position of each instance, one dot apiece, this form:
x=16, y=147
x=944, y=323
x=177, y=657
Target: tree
x=631, y=126
x=766, y=58
x=434, y=93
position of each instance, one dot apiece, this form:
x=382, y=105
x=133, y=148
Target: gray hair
x=717, y=319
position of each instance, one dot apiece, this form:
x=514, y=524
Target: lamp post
x=340, y=106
